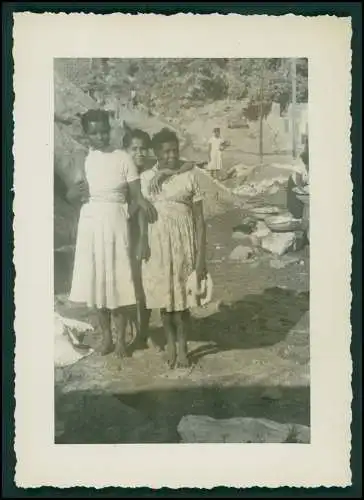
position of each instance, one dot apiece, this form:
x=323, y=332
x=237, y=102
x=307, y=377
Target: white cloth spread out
x=102, y=275
x=64, y=349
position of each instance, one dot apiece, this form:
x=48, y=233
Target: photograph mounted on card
x=182, y=256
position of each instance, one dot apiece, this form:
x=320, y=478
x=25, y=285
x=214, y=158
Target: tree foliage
x=189, y=82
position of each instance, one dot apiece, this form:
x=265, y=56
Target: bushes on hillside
x=189, y=82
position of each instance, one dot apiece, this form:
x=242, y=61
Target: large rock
x=281, y=243
x=245, y=239
x=241, y=253
x=69, y=156
x=65, y=223
x=240, y=170
x=262, y=230
x=204, y=429
x=69, y=100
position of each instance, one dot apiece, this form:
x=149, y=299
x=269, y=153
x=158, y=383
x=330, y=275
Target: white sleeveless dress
x=216, y=154
x=102, y=275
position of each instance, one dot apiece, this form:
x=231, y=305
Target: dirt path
x=250, y=350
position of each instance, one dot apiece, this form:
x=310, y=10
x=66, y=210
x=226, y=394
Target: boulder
x=245, y=239
x=204, y=429
x=240, y=170
x=241, y=253
x=261, y=230
x=281, y=243
x=65, y=223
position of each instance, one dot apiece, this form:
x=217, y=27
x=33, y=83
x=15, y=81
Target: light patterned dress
x=172, y=241
x=102, y=275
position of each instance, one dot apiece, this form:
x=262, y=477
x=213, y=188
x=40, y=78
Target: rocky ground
x=249, y=349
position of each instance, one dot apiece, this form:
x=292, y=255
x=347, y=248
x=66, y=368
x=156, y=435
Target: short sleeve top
x=181, y=188
x=109, y=173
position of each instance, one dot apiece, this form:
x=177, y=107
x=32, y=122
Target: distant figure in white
x=133, y=98
x=216, y=145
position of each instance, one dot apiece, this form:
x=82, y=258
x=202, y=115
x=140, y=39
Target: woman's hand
x=155, y=185
x=78, y=192
x=201, y=273
x=200, y=228
x=142, y=250
x=149, y=210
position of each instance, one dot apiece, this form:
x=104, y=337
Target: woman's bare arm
x=200, y=228
x=137, y=197
x=164, y=173
x=78, y=193
x=142, y=250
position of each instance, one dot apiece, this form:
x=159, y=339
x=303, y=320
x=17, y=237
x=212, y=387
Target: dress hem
x=91, y=305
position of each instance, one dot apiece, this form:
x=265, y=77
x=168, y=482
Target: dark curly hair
x=163, y=136
x=136, y=134
x=94, y=116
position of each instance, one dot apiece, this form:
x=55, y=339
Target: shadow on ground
x=152, y=416
x=261, y=320
x=256, y=321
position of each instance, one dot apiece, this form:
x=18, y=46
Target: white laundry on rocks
x=66, y=341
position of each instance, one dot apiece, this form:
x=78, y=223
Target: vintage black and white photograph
x=182, y=238
x=181, y=250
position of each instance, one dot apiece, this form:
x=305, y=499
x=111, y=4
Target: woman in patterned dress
x=177, y=242
x=137, y=144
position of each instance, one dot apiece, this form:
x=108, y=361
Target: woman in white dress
x=102, y=274
x=177, y=241
x=216, y=145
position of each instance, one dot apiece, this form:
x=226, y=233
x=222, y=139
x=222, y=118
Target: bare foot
x=183, y=361
x=170, y=356
x=106, y=346
x=121, y=351
x=151, y=344
x=140, y=345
